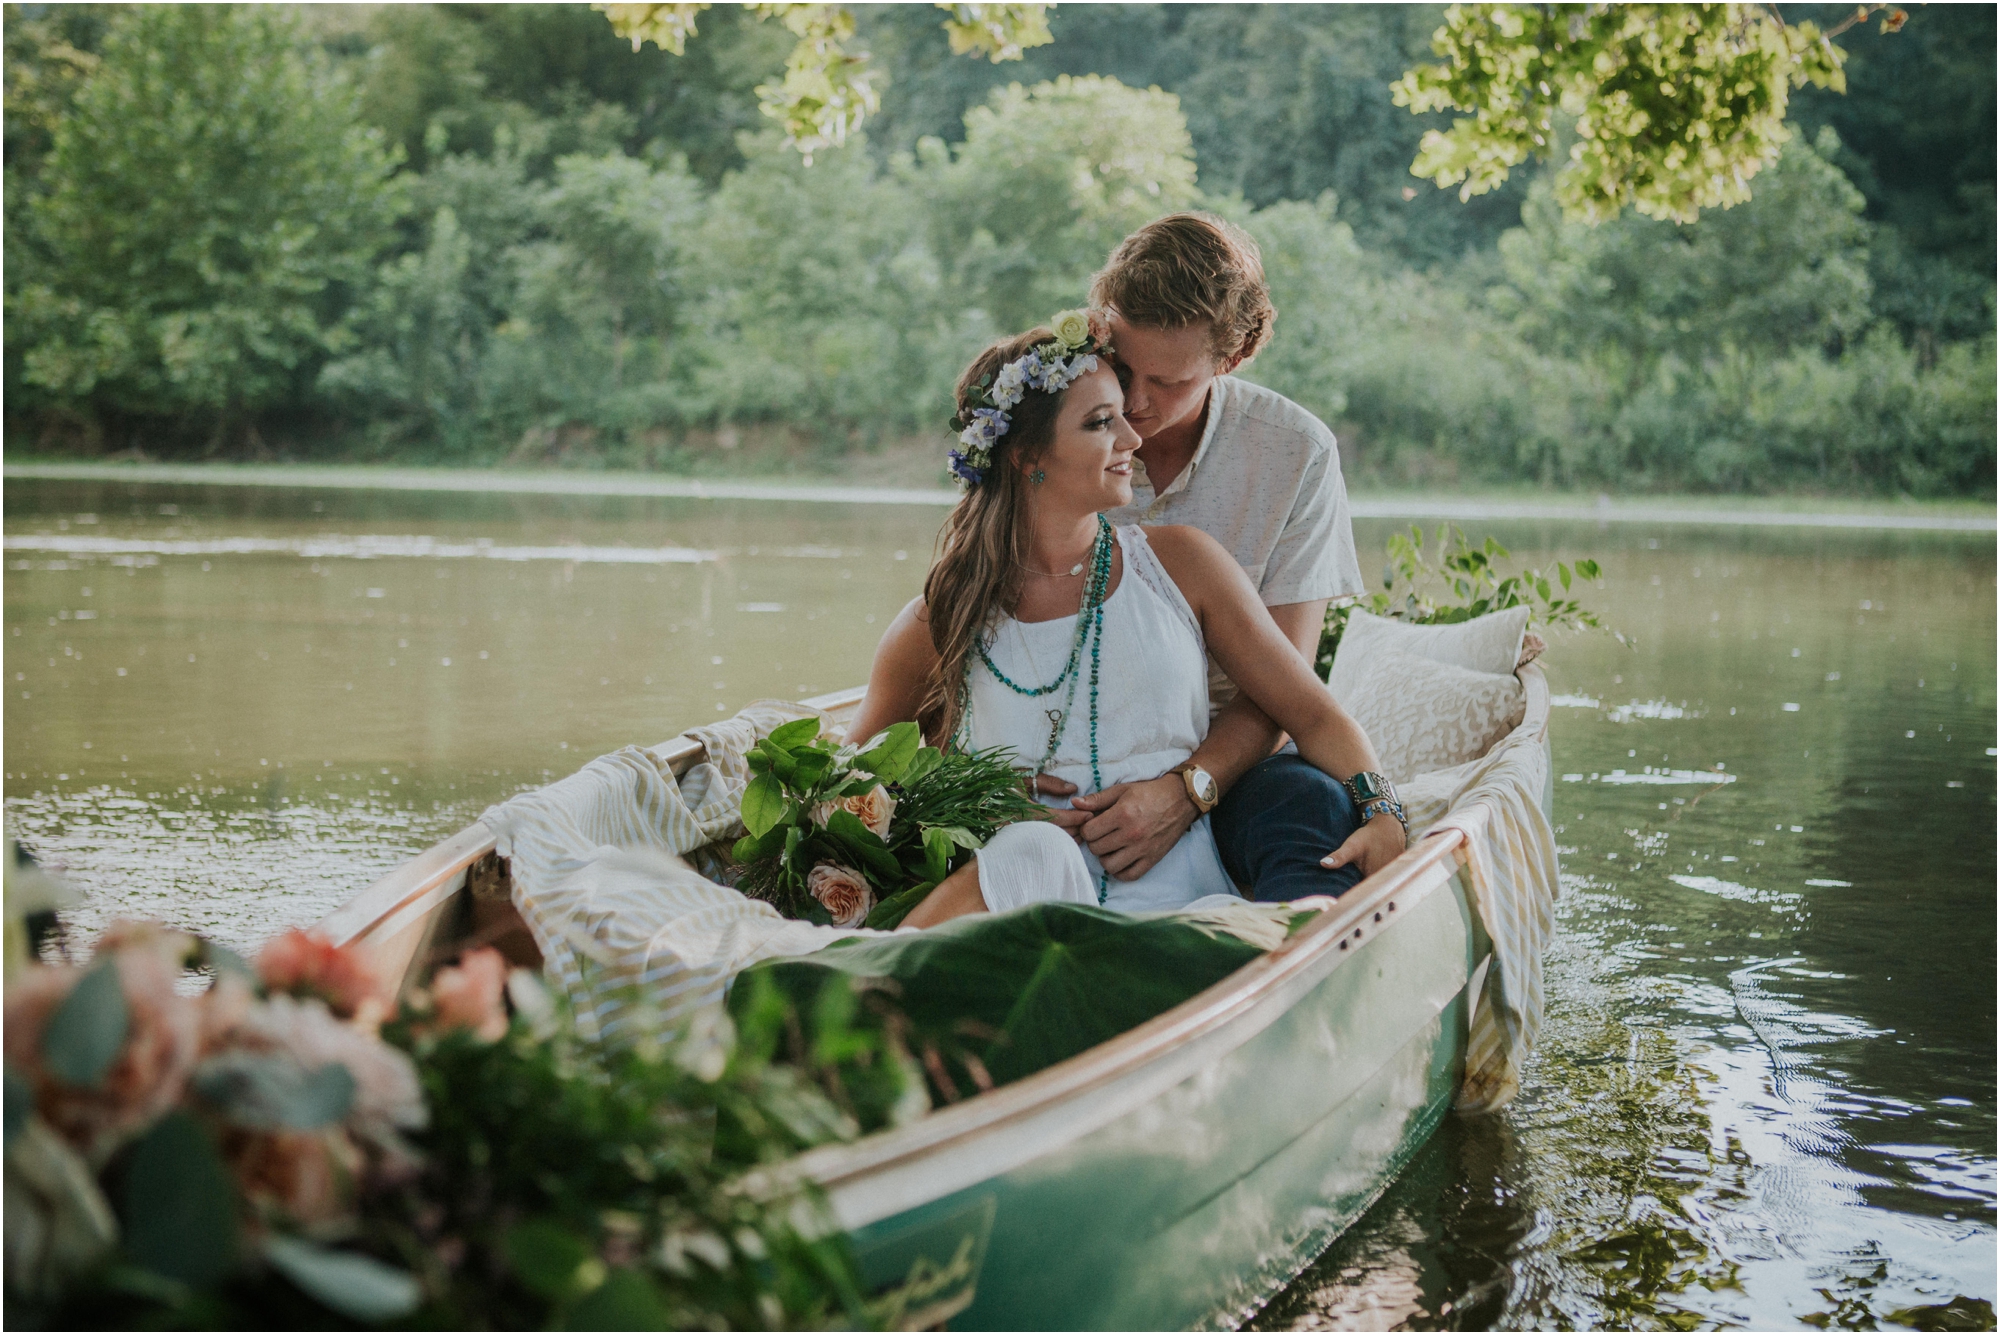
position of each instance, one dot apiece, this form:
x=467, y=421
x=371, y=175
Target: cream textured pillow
x=1424, y=715
x=1491, y=643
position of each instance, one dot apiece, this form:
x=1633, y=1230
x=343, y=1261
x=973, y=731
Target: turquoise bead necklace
x=1090, y=632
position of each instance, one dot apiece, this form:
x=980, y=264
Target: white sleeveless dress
x=1152, y=712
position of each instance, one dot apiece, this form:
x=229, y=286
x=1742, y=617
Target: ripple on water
x=232, y=868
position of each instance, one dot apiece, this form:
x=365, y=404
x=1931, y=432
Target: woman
x=1082, y=648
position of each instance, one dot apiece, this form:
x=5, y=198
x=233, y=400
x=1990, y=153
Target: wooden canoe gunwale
x=380, y=920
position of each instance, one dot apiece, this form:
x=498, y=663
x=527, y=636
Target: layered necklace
x=1089, y=635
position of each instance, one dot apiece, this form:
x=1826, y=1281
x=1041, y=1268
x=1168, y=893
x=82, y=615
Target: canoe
x=1176, y=1176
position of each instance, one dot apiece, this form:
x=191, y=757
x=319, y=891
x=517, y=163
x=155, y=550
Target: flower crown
x=1049, y=367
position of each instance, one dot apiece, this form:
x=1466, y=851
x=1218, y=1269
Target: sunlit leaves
x=1668, y=109
x=828, y=89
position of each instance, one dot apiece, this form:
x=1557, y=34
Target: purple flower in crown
x=963, y=470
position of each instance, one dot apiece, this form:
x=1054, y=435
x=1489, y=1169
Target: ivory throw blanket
x=598, y=871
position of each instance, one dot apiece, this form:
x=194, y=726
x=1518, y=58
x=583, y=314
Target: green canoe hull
x=1196, y=1200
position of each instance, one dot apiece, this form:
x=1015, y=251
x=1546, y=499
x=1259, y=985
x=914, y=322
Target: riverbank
x=1485, y=505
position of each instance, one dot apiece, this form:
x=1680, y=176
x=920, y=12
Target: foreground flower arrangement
x=293, y=1146
x=847, y=836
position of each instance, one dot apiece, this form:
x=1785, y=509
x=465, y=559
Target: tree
x=1787, y=270
x=1670, y=109
x=1047, y=182
x=208, y=205
x=829, y=89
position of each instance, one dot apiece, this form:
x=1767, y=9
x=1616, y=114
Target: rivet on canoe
x=1392, y=906
x=1343, y=943
x=1378, y=917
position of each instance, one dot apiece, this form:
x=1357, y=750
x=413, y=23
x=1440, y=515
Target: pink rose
x=842, y=892
x=470, y=994
x=308, y=965
x=872, y=808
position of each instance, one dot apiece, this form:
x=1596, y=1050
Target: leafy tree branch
x=1670, y=109
x=828, y=88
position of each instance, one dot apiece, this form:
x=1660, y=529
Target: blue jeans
x=1275, y=825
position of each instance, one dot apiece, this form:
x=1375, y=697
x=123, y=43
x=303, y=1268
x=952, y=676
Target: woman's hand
x=1372, y=847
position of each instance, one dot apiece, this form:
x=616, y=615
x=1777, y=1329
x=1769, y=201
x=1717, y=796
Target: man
x=1188, y=305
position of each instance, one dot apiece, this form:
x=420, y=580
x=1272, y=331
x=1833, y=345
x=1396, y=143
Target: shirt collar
x=1218, y=393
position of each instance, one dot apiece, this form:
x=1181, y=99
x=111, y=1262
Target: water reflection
x=1765, y=1092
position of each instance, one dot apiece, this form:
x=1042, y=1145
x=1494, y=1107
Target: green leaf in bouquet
x=793, y=834
x=890, y=753
x=863, y=844
x=923, y=762
x=626, y=1300
x=763, y=804
x=271, y=1093
x=88, y=1030
x=937, y=852
x=797, y=733
x=358, y=1287
x=855, y=787
x=888, y=915
x=178, y=1204
x=809, y=769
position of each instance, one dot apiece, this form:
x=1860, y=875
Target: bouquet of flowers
x=848, y=835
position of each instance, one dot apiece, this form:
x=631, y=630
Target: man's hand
x=1372, y=847
x=1130, y=826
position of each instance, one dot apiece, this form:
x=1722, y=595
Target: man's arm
x=1130, y=826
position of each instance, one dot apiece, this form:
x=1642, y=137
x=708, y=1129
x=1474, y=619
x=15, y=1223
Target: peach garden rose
x=872, y=808
x=842, y=891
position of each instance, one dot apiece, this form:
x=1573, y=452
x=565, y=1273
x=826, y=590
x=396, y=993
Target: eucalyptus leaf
x=88, y=1030
x=763, y=804
x=264, y=1092
x=789, y=736
x=178, y=1204
x=358, y=1287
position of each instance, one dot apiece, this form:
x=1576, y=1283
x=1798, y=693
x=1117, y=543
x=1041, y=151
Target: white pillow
x=1491, y=643
x=1431, y=696
x=1424, y=715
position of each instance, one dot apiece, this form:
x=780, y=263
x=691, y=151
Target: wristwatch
x=1200, y=783
x=1373, y=794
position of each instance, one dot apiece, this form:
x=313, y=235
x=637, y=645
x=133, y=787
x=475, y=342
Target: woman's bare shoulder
x=1188, y=553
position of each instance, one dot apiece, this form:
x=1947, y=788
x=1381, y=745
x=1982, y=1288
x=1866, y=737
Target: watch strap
x=1186, y=770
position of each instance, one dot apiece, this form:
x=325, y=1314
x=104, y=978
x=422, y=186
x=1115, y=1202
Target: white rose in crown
x=1072, y=327
x=872, y=808
x=842, y=891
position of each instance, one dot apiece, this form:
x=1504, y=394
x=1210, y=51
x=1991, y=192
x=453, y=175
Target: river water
x=1765, y=1093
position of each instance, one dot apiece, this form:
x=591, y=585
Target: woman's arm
x=1266, y=666
x=904, y=661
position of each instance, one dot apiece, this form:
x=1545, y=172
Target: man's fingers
x=1100, y=801
x=1068, y=819
x=1050, y=786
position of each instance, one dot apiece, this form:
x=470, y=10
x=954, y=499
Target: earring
x=1038, y=477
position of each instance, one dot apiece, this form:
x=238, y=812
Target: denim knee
x=1277, y=822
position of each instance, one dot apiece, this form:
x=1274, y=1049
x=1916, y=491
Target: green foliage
x=598, y=268
x=1460, y=582
x=939, y=807
x=1048, y=180
x=567, y=1182
x=828, y=88
x=1670, y=109
x=207, y=204
x=988, y=999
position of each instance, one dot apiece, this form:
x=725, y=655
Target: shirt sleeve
x=1314, y=555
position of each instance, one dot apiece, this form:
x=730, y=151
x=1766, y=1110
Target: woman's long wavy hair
x=976, y=575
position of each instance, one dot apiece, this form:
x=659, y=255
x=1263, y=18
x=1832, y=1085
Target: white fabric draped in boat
x=597, y=866
x=1497, y=801
x=598, y=875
